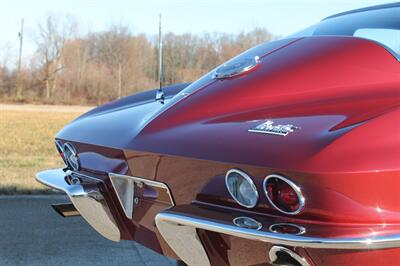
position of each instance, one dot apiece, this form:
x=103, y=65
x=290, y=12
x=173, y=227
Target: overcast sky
x=280, y=17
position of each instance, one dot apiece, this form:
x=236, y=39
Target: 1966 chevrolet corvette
x=287, y=154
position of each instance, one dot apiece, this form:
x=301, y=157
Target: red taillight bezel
x=283, y=194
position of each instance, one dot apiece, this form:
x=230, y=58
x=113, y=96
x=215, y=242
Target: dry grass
x=27, y=146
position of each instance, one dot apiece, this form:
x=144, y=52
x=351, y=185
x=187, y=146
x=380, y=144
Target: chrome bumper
x=179, y=225
x=89, y=203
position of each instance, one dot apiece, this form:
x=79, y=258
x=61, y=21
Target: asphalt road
x=31, y=233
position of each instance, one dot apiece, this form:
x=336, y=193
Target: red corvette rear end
x=287, y=154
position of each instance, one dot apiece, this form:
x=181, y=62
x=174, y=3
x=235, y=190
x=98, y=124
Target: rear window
x=380, y=25
x=388, y=37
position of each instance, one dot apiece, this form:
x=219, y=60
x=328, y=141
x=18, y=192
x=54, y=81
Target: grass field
x=27, y=144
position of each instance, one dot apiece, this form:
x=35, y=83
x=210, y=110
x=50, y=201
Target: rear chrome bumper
x=179, y=226
x=88, y=202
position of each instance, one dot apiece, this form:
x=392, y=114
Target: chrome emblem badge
x=268, y=127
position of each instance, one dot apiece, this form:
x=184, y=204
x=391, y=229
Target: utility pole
x=21, y=40
x=160, y=94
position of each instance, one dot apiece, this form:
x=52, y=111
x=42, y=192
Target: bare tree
x=51, y=38
x=113, y=46
x=7, y=52
x=96, y=67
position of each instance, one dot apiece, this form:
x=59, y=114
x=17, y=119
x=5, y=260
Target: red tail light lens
x=283, y=194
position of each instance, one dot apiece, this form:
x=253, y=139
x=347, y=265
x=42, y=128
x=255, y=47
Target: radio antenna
x=160, y=93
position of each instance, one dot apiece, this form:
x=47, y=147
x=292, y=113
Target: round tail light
x=71, y=156
x=283, y=194
x=242, y=188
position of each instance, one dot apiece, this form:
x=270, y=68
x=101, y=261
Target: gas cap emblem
x=268, y=127
x=236, y=67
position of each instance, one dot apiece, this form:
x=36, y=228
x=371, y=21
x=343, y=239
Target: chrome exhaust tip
x=279, y=255
x=65, y=209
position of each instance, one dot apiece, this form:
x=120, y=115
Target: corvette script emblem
x=268, y=127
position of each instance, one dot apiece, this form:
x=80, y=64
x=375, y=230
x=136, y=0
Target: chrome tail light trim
x=71, y=156
x=249, y=180
x=296, y=188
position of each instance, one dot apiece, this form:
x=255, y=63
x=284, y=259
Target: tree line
x=73, y=68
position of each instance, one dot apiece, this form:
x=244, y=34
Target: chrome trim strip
x=296, y=188
x=84, y=176
x=90, y=204
x=362, y=243
x=248, y=178
x=274, y=257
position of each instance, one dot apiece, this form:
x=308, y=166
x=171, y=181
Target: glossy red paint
x=326, y=104
x=345, y=157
